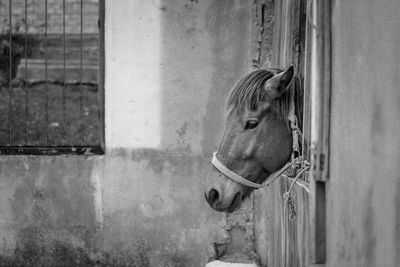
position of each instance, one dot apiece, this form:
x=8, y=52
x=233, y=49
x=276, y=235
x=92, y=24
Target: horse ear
x=278, y=84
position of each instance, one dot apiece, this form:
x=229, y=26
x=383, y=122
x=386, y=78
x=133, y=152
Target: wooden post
x=320, y=23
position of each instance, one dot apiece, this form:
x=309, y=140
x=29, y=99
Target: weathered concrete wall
x=169, y=67
x=363, y=215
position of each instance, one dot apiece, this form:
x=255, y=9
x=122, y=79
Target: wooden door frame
x=316, y=69
x=320, y=83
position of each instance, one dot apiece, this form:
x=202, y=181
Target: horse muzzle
x=216, y=201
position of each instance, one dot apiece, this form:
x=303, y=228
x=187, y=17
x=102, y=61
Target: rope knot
x=287, y=196
x=289, y=201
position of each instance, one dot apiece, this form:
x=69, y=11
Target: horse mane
x=249, y=91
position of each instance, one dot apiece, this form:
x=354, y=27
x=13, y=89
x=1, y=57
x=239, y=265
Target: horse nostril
x=235, y=202
x=213, y=196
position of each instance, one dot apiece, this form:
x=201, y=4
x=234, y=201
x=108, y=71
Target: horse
x=258, y=140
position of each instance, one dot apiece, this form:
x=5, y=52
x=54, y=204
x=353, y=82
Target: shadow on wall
x=205, y=49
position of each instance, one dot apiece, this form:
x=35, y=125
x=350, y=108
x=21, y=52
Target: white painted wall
x=132, y=87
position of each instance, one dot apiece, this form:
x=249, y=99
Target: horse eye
x=251, y=124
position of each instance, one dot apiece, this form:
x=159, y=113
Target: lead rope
x=289, y=213
x=288, y=195
x=296, y=136
x=289, y=207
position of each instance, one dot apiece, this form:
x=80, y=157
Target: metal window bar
x=26, y=75
x=46, y=106
x=81, y=73
x=64, y=130
x=10, y=76
x=62, y=147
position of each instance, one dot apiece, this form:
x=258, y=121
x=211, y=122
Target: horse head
x=257, y=139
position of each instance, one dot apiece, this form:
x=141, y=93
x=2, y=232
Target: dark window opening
x=51, y=76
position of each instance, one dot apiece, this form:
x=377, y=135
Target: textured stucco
x=363, y=189
x=169, y=67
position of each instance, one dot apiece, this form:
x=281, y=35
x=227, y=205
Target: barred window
x=51, y=76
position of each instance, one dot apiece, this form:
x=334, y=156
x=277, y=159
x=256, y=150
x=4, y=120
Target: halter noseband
x=296, y=160
x=243, y=181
